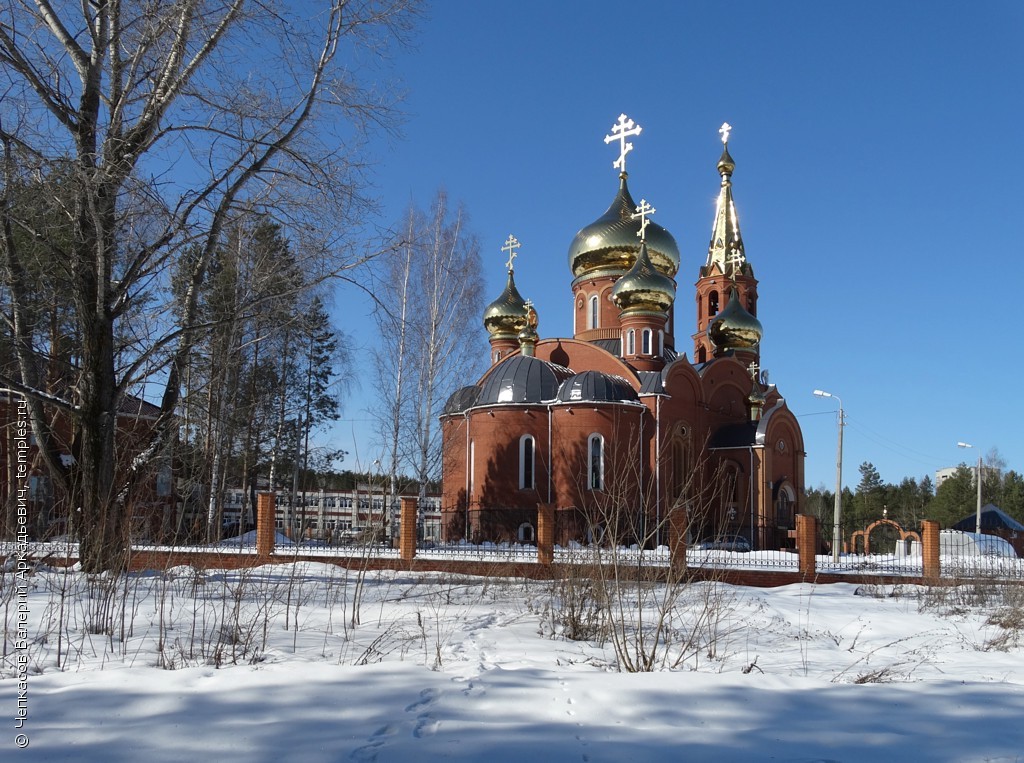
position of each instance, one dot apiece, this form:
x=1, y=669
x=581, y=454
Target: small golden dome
x=644, y=287
x=734, y=328
x=725, y=163
x=506, y=316
x=611, y=241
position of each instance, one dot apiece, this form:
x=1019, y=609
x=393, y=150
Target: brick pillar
x=806, y=543
x=677, y=526
x=545, y=533
x=930, y=550
x=407, y=530
x=266, y=511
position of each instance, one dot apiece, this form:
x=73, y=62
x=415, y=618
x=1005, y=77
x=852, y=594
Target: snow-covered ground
x=268, y=665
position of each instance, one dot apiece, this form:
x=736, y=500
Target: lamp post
x=837, y=534
x=977, y=516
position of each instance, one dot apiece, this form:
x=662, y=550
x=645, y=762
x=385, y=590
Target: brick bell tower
x=727, y=278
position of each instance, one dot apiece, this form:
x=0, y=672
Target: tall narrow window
x=661, y=343
x=497, y=355
x=593, y=312
x=784, y=508
x=595, y=462
x=712, y=304
x=526, y=462
x=631, y=342
x=646, y=342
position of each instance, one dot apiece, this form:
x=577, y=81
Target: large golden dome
x=734, y=328
x=506, y=316
x=611, y=243
x=644, y=287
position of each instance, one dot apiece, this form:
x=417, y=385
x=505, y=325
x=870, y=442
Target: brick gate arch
x=865, y=535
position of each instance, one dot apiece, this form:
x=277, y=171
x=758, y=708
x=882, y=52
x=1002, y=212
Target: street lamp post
x=977, y=516
x=837, y=533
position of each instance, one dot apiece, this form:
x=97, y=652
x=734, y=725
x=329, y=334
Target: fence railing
x=874, y=550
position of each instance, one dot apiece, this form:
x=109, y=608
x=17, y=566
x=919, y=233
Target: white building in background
x=941, y=475
x=336, y=516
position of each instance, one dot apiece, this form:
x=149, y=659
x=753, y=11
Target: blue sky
x=879, y=177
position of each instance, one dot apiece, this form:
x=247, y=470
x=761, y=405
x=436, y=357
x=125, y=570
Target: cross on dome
x=620, y=131
x=724, y=131
x=753, y=369
x=511, y=244
x=643, y=210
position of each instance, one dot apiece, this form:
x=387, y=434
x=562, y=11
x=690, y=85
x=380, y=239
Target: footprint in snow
x=425, y=726
x=427, y=697
x=368, y=752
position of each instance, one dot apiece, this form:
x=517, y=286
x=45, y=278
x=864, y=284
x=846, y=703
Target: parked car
x=724, y=543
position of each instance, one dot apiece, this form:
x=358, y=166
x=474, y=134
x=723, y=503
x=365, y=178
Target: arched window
x=631, y=342
x=732, y=493
x=784, y=508
x=526, y=533
x=594, y=322
x=497, y=355
x=712, y=303
x=646, y=342
x=595, y=462
x=526, y=462
x=682, y=467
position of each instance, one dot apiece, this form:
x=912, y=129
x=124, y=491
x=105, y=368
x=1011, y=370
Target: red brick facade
x=612, y=427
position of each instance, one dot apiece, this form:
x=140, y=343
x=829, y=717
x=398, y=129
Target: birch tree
x=167, y=117
x=431, y=340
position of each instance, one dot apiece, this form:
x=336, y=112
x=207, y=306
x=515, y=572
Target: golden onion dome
x=506, y=316
x=611, y=243
x=734, y=328
x=644, y=287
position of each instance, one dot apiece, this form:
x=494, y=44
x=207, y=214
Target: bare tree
x=448, y=278
x=392, y=358
x=167, y=117
x=427, y=347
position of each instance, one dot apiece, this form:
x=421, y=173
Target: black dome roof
x=522, y=379
x=595, y=386
x=461, y=399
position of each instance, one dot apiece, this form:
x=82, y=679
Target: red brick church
x=616, y=427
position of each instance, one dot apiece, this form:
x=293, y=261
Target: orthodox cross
x=724, y=131
x=511, y=244
x=736, y=260
x=643, y=211
x=757, y=374
x=531, y=314
x=620, y=131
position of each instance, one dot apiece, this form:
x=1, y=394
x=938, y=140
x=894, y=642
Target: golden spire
x=726, y=247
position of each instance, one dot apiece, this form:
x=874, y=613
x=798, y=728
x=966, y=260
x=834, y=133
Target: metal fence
x=962, y=555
